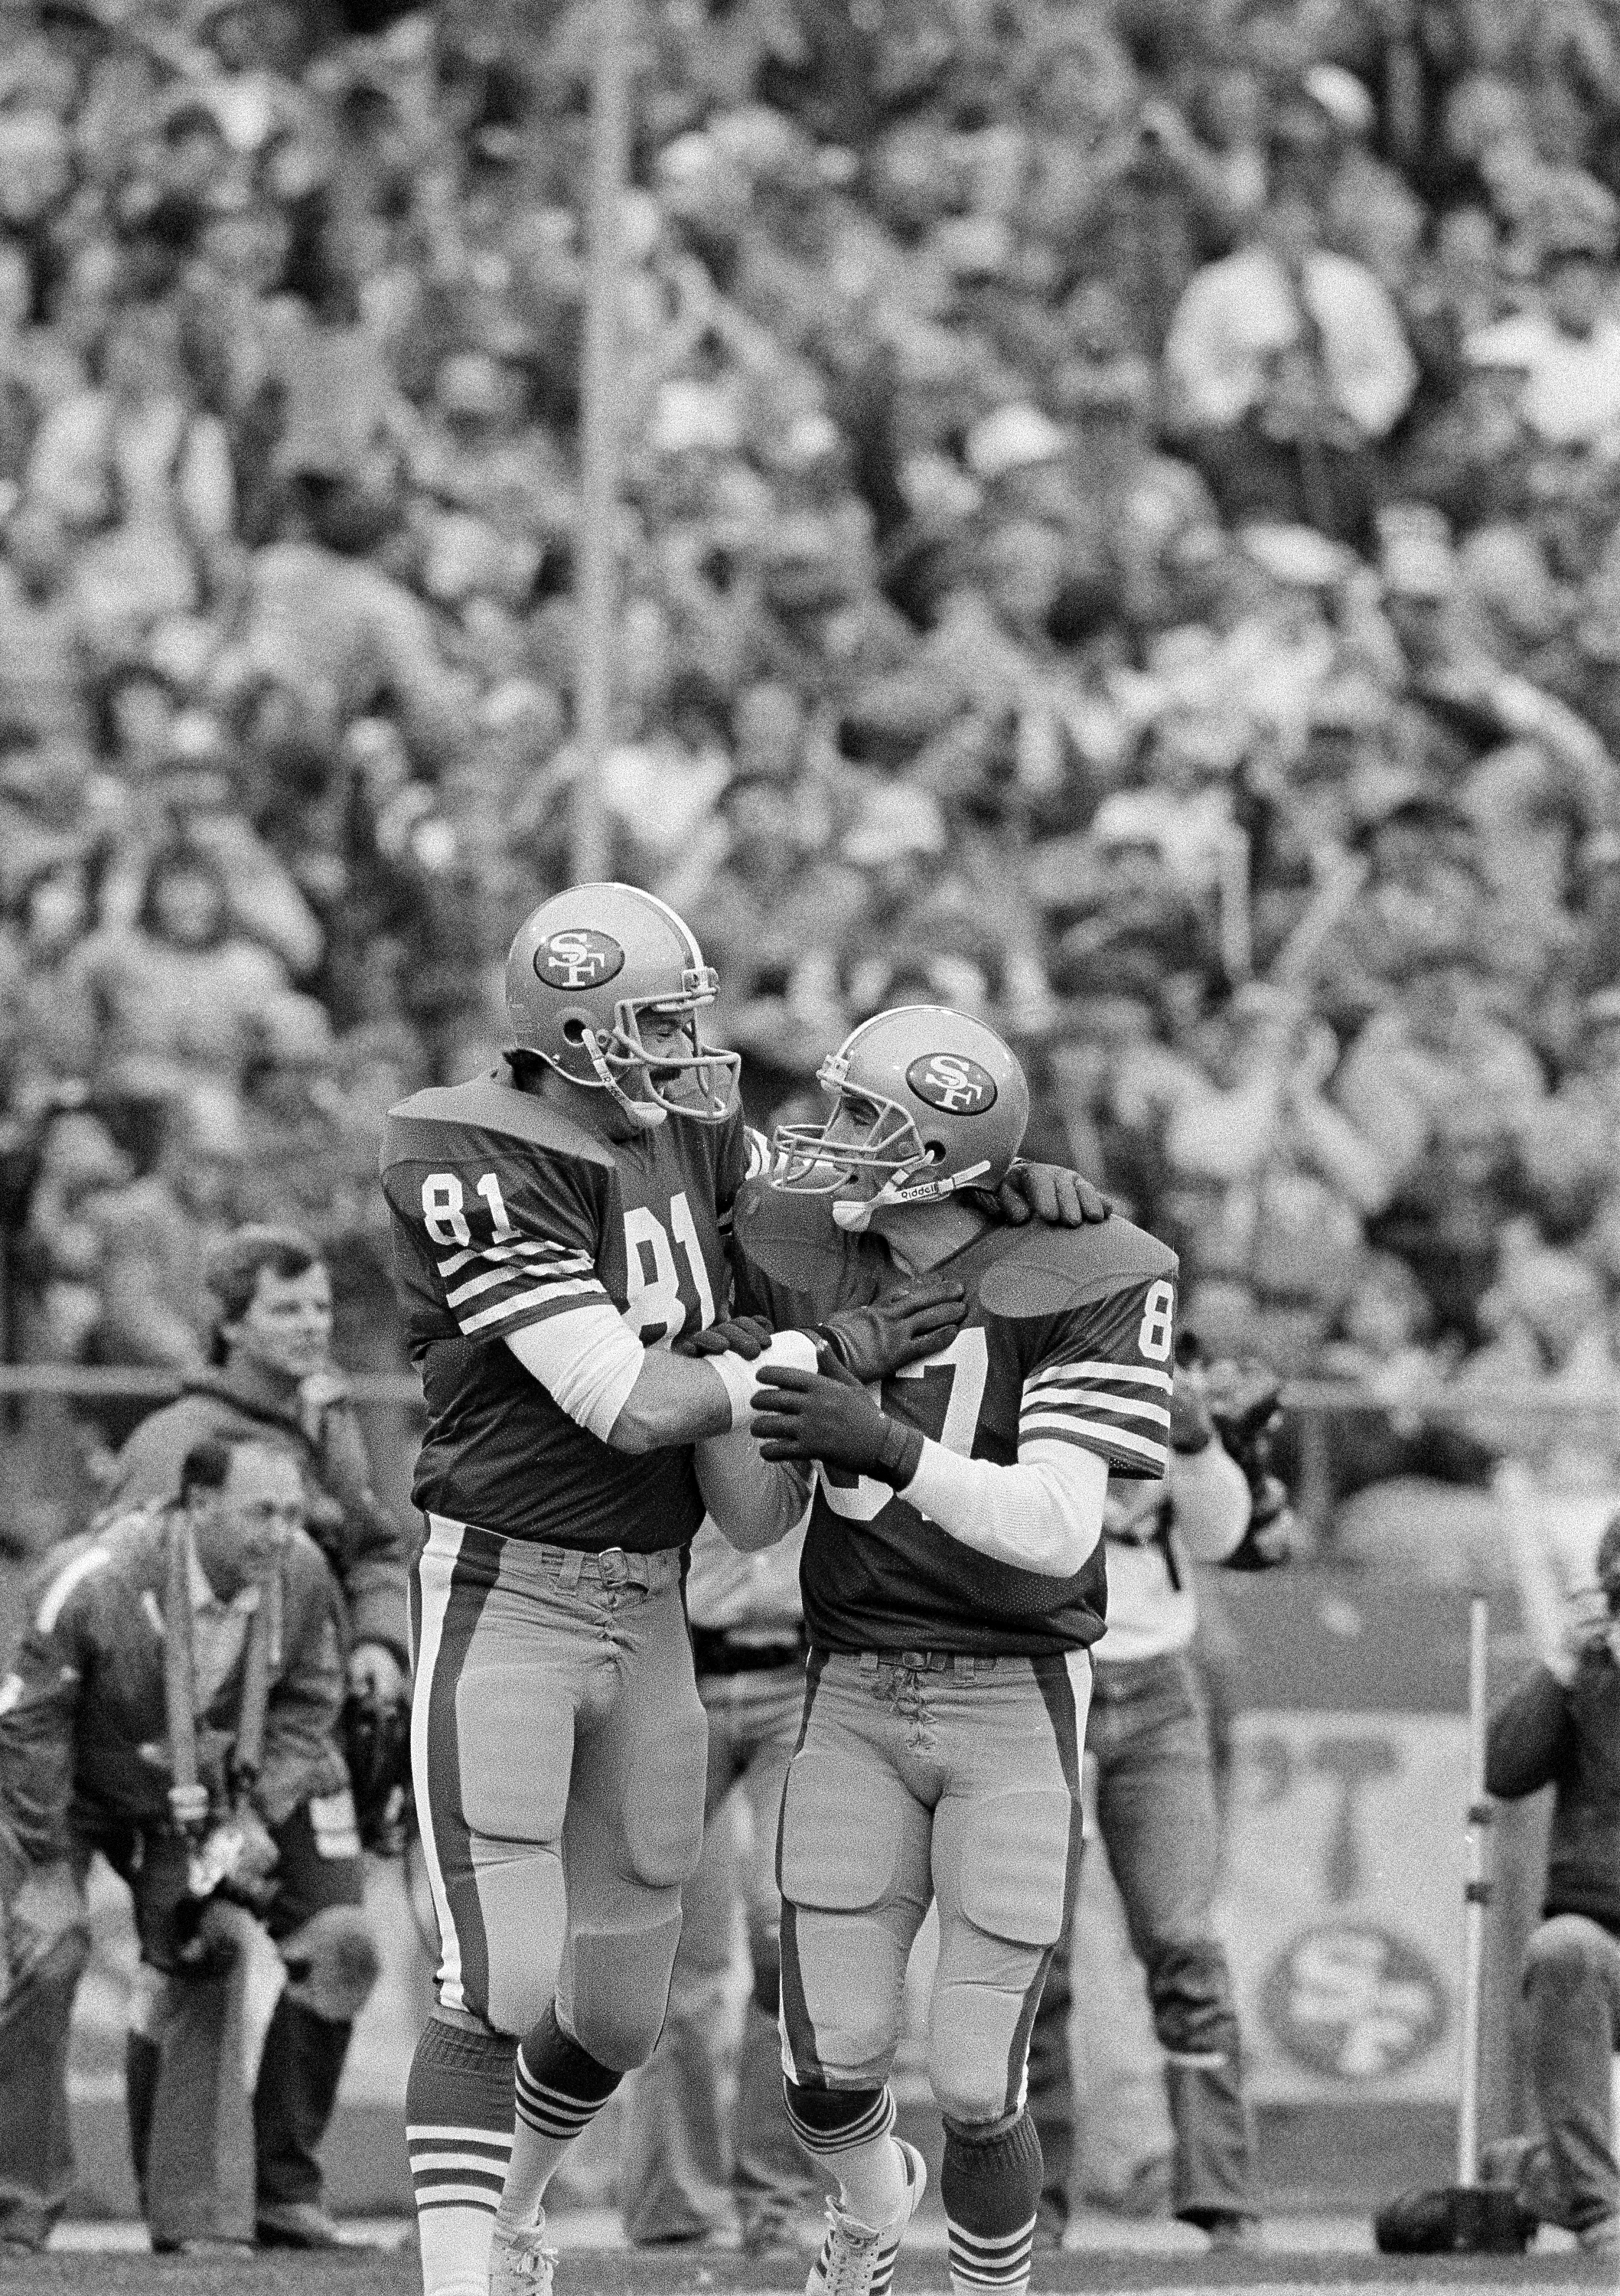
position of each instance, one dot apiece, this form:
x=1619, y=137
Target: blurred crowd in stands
x=1121, y=534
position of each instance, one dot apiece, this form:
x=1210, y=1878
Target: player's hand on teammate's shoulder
x=747, y=1336
x=1051, y=1194
x=830, y=1417
x=871, y=1342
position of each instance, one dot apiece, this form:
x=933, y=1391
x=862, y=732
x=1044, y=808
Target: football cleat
x=854, y=2259
x=586, y=970
x=924, y=1101
x=522, y=2261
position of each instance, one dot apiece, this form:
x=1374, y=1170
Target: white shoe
x=522, y=2262
x=854, y=2260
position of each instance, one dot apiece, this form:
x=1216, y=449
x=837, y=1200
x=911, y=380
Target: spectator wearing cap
x=1320, y=152
x=271, y=1380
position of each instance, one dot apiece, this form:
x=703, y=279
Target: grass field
x=598, y=2272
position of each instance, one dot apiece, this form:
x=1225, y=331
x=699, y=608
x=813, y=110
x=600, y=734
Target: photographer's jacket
x=1568, y=1736
x=360, y=1540
x=84, y=1725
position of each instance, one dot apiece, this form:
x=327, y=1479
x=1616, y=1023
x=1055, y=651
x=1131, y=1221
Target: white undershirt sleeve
x=587, y=1361
x=1044, y=1514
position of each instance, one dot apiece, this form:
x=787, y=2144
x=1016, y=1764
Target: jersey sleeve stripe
x=1078, y=1375
x=494, y=1275
x=544, y=1254
x=1068, y=1428
x=532, y=1300
x=1039, y=1397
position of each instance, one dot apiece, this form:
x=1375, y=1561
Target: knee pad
x=1190, y=1988
x=511, y=1918
x=614, y=1991
x=332, y=1963
x=968, y=2052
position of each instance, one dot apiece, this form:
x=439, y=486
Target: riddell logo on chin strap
x=953, y=1082
x=578, y=957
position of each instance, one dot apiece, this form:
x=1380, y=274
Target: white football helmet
x=582, y=972
x=948, y=1107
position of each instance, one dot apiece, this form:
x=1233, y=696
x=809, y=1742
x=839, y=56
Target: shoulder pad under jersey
x=485, y=1105
x=792, y=1238
x=1045, y=1271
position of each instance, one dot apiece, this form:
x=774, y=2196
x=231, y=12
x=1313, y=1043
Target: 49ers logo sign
x=578, y=957
x=953, y=1082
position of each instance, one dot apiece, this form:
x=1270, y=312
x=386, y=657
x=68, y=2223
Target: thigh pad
x=843, y=1823
x=1015, y=1854
x=515, y=1744
x=663, y=1800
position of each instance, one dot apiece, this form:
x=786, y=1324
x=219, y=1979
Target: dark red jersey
x=1067, y=1338
x=505, y=1214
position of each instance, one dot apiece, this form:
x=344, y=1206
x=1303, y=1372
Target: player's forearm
x=1211, y=1496
x=754, y=1502
x=676, y=1399
x=640, y=1399
x=1044, y=1514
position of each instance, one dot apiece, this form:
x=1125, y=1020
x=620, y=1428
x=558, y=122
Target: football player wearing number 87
x=953, y=1579
x=559, y=1232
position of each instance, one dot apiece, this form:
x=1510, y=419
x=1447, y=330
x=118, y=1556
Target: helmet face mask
x=588, y=975
x=924, y=1101
x=704, y=1078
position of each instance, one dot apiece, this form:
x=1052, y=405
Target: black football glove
x=871, y=1342
x=828, y=1415
x=1051, y=1194
x=747, y=1336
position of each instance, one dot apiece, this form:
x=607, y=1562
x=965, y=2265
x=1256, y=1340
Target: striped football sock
x=458, y=2133
x=990, y=2186
x=851, y=2132
x=560, y=2088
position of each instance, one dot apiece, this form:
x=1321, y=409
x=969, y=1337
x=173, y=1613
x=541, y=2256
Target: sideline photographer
x=271, y=1379
x=1561, y=1728
x=174, y=1704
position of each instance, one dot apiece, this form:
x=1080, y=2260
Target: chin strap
x=856, y=1217
x=642, y=1114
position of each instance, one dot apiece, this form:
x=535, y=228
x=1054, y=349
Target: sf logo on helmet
x=578, y=957
x=952, y=1082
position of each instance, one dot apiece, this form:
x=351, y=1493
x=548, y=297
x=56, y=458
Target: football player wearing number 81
x=953, y=1579
x=559, y=1231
